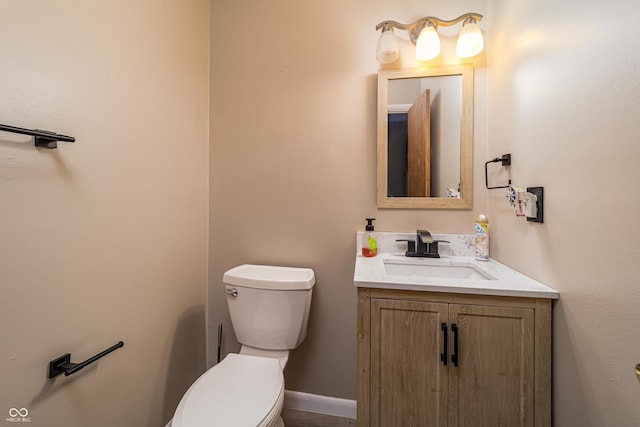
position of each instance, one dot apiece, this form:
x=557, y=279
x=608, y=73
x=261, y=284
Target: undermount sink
x=449, y=270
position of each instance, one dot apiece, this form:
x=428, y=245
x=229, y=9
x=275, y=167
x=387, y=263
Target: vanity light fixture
x=424, y=36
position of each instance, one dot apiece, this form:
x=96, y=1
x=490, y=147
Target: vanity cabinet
x=443, y=359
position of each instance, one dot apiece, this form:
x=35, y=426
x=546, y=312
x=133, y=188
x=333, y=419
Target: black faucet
x=427, y=247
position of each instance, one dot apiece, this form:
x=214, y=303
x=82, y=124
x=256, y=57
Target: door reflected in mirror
x=425, y=138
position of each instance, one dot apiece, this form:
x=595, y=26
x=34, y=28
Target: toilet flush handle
x=233, y=292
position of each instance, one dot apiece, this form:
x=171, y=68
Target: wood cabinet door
x=493, y=384
x=408, y=380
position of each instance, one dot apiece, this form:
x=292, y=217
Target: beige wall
x=105, y=239
x=293, y=170
x=563, y=84
x=293, y=159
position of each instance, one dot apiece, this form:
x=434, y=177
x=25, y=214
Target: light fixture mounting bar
x=415, y=27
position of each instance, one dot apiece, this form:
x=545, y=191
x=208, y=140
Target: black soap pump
x=369, y=240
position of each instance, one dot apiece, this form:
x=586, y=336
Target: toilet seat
x=241, y=390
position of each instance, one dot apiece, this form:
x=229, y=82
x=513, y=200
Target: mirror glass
x=425, y=138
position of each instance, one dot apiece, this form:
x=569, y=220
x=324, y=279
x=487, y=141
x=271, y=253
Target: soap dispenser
x=369, y=240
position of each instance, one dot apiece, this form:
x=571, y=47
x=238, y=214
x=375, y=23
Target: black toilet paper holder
x=63, y=364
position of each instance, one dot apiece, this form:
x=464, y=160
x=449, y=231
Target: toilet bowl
x=269, y=308
x=239, y=391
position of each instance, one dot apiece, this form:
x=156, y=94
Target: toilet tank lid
x=270, y=277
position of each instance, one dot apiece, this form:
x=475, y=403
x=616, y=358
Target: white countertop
x=371, y=273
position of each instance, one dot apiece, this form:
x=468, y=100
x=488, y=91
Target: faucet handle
x=411, y=244
x=432, y=248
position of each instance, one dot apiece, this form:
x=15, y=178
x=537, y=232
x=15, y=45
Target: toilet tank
x=269, y=305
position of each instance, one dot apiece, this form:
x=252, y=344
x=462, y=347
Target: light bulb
x=387, y=50
x=470, y=41
x=428, y=43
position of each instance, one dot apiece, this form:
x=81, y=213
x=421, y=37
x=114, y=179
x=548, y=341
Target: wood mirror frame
x=465, y=201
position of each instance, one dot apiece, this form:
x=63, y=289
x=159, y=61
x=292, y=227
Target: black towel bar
x=63, y=363
x=42, y=138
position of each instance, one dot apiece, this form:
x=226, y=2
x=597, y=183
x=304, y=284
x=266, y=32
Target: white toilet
x=269, y=309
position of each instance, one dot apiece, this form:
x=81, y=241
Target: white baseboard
x=315, y=403
x=337, y=407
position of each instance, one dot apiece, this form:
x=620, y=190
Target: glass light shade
x=387, y=50
x=428, y=44
x=470, y=41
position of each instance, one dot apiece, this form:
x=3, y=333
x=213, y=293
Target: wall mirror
x=425, y=138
